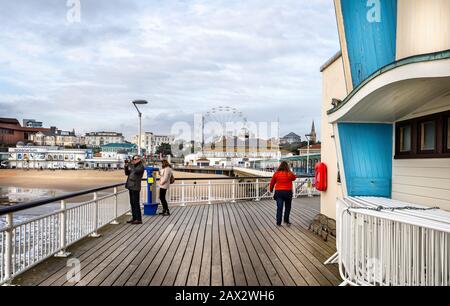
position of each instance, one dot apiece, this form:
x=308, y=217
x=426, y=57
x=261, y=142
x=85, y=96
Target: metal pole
x=140, y=133
x=257, y=190
x=62, y=232
x=8, y=246
x=307, y=157
x=95, y=234
x=116, y=213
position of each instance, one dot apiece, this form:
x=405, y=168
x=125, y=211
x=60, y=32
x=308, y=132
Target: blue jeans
x=283, y=197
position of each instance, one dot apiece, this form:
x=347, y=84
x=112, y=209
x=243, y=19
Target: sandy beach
x=71, y=180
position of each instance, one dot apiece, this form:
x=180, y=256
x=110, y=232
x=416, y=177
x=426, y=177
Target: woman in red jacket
x=282, y=182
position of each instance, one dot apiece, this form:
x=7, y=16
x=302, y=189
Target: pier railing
x=382, y=242
x=26, y=243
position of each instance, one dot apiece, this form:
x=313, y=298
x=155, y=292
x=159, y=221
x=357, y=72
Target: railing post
x=233, y=191
x=116, y=212
x=209, y=192
x=62, y=231
x=9, y=247
x=183, y=203
x=257, y=190
x=294, y=189
x=95, y=234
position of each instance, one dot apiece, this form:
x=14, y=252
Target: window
x=405, y=139
x=424, y=137
x=427, y=136
x=448, y=134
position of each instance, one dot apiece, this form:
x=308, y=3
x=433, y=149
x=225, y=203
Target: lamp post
x=307, y=153
x=136, y=103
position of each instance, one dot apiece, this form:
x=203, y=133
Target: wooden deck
x=234, y=244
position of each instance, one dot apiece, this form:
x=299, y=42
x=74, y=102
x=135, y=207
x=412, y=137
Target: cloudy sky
x=184, y=56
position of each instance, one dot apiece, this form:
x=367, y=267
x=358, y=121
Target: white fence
x=27, y=243
x=230, y=191
x=406, y=246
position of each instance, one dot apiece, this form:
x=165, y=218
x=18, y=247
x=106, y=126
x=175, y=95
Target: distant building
x=11, y=132
x=55, y=137
x=47, y=157
x=150, y=142
x=290, y=139
x=98, y=139
x=313, y=149
x=118, y=150
x=32, y=123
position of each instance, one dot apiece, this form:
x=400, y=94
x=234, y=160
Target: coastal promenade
x=222, y=244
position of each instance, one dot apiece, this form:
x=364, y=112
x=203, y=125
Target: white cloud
x=260, y=56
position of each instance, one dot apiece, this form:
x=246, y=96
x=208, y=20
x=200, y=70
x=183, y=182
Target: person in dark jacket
x=282, y=183
x=135, y=172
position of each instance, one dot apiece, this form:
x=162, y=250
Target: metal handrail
x=65, y=196
x=37, y=203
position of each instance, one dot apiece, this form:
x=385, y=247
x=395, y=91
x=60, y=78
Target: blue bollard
x=151, y=206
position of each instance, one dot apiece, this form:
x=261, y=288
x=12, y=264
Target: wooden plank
x=164, y=267
x=89, y=249
x=256, y=234
x=205, y=269
x=120, y=253
x=237, y=254
x=249, y=271
x=171, y=274
x=99, y=255
x=328, y=248
x=154, y=256
x=314, y=266
x=265, y=271
x=123, y=268
x=216, y=268
x=311, y=249
x=183, y=272
x=298, y=271
x=227, y=267
x=194, y=270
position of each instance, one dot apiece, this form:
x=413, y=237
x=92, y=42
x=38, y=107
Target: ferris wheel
x=231, y=122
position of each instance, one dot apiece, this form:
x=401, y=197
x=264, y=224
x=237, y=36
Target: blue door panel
x=367, y=157
x=371, y=34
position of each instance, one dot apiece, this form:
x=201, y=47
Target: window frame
x=398, y=128
x=446, y=122
x=421, y=120
x=441, y=137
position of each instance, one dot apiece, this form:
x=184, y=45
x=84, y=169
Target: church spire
x=313, y=135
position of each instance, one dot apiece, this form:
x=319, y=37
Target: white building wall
x=423, y=181
x=334, y=86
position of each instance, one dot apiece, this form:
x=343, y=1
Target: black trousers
x=283, y=197
x=162, y=197
x=135, y=203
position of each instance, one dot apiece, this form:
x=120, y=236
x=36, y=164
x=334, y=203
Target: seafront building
x=150, y=141
x=11, y=132
x=56, y=137
x=98, y=139
x=386, y=104
x=47, y=157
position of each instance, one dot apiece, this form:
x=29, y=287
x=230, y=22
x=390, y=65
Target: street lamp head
x=139, y=102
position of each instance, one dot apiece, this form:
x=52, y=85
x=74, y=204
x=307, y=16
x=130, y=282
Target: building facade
x=11, y=132
x=55, y=137
x=150, y=142
x=386, y=103
x=98, y=139
x=47, y=157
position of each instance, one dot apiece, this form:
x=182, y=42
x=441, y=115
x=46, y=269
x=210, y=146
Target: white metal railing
x=231, y=190
x=407, y=246
x=24, y=244
x=27, y=243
